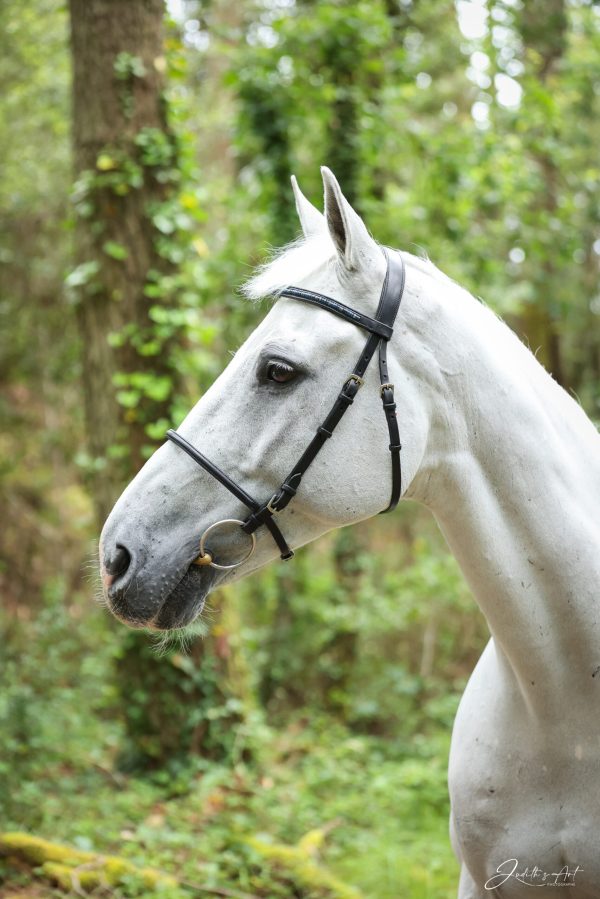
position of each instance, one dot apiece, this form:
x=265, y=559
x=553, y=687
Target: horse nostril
x=118, y=561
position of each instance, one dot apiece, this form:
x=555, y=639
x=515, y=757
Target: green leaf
x=105, y=162
x=82, y=274
x=163, y=223
x=128, y=398
x=115, y=250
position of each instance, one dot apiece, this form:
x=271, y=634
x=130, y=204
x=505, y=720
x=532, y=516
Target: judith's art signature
x=532, y=875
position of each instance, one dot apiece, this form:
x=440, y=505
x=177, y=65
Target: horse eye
x=280, y=372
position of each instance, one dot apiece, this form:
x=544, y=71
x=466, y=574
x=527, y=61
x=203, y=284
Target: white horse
x=510, y=467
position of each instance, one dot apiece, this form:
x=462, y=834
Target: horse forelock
x=290, y=264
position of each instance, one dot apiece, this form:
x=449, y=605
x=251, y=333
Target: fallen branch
x=74, y=869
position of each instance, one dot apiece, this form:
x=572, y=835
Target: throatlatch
x=380, y=331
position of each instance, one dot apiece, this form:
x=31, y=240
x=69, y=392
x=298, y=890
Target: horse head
x=250, y=428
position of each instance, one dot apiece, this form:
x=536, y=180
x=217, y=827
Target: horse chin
x=186, y=601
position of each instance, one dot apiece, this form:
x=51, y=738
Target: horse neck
x=511, y=472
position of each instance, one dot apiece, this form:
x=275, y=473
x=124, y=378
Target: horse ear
x=312, y=221
x=348, y=231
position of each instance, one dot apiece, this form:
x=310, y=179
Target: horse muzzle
x=143, y=591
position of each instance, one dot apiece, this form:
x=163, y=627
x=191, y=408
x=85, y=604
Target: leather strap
x=393, y=287
x=380, y=331
x=226, y=481
x=389, y=303
x=352, y=315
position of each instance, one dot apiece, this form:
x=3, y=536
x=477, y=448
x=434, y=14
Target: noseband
x=380, y=331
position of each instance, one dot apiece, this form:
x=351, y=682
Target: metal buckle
x=204, y=556
x=383, y=387
x=270, y=507
x=357, y=378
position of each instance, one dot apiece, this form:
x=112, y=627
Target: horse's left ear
x=353, y=242
x=311, y=220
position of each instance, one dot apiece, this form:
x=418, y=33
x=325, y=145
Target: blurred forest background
x=299, y=748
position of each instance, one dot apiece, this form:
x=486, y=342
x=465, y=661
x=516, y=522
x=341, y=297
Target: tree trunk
x=543, y=28
x=343, y=151
x=126, y=197
x=125, y=166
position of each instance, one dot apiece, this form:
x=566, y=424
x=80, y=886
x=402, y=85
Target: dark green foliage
x=266, y=112
x=366, y=641
x=175, y=706
x=55, y=694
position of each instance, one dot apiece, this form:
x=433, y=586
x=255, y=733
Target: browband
x=356, y=318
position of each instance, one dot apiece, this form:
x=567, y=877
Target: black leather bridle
x=380, y=331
